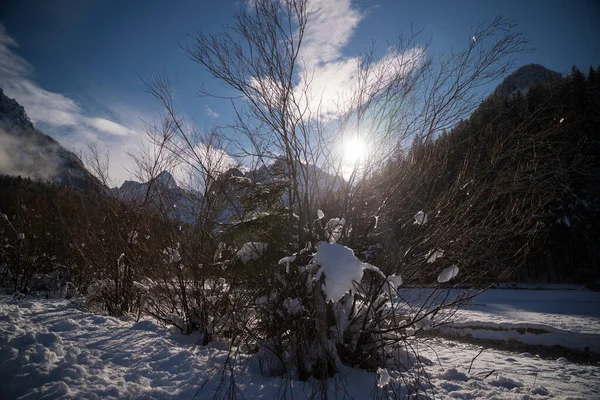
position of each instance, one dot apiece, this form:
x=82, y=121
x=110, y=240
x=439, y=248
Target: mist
x=20, y=156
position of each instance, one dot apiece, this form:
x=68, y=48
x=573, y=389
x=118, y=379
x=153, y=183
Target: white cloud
x=333, y=84
x=41, y=105
x=332, y=78
x=110, y=127
x=328, y=80
x=210, y=112
x=330, y=26
x=214, y=159
x=10, y=63
x=60, y=115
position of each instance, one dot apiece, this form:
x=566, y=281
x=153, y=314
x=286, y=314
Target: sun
x=354, y=156
x=354, y=150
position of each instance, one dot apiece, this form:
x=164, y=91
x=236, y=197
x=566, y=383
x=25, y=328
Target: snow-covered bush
x=319, y=310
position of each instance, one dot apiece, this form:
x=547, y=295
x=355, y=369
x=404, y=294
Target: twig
x=491, y=372
x=473, y=360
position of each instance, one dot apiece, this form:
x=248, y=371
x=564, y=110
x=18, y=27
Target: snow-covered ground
x=52, y=349
x=505, y=375
x=552, y=316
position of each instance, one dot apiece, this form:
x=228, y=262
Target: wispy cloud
x=210, y=112
x=59, y=115
x=42, y=105
x=329, y=29
x=328, y=79
x=110, y=127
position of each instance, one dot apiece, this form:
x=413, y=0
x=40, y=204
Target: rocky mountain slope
x=28, y=152
x=163, y=193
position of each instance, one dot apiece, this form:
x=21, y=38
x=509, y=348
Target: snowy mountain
x=28, y=152
x=136, y=191
x=164, y=193
x=524, y=77
x=184, y=205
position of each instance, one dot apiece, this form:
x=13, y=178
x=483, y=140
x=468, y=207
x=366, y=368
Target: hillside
x=26, y=151
x=523, y=78
x=514, y=188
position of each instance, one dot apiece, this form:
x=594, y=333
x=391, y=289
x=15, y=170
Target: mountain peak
x=165, y=179
x=12, y=113
x=524, y=77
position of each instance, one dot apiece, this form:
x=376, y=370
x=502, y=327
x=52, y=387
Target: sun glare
x=354, y=154
x=354, y=150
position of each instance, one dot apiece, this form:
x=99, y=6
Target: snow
x=420, y=218
x=53, y=349
x=141, y=286
x=241, y=180
x=454, y=375
x=447, y=274
x=334, y=228
x=394, y=283
x=320, y=214
x=383, y=377
x=395, y=280
x=340, y=268
x=102, y=357
x=172, y=254
x=433, y=255
x=505, y=382
x=251, y=251
x=568, y=318
x=287, y=261
x=502, y=375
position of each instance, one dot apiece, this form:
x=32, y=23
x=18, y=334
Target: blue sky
x=73, y=63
